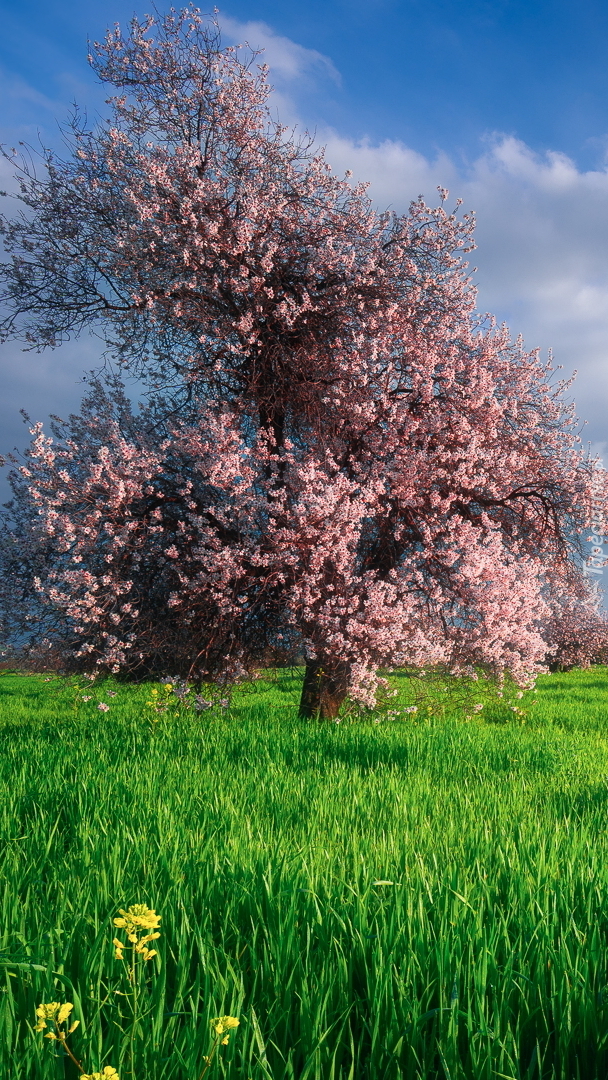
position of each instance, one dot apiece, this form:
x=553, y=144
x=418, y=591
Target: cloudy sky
x=505, y=102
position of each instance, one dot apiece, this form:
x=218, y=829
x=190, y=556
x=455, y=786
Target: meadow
x=420, y=898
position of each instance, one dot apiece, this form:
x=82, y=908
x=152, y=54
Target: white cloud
x=287, y=60
x=298, y=75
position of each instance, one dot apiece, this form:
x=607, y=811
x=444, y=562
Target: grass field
x=267, y=846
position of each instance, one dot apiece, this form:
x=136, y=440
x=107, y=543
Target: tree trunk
x=323, y=691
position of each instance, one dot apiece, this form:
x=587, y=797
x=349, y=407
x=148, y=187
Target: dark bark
x=323, y=691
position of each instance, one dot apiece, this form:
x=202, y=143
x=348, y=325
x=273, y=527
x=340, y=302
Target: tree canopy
x=337, y=458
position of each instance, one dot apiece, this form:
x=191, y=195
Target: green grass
x=258, y=838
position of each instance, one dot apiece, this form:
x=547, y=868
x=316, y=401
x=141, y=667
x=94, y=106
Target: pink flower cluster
x=205, y=551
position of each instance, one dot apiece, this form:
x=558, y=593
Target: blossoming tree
x=336, y=459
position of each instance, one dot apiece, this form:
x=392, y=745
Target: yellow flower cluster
x=134, y=921
x=138, y=917
x=222, y=1025
x=58, y=1014
x=160, y=700
x=107, y=1073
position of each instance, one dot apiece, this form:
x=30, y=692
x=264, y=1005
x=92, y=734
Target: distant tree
x=576, y=630
x=337, y=459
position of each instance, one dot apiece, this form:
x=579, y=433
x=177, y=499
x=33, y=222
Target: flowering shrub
x=577, y=634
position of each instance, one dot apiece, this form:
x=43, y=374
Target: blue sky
x=435, y=75
x=504, y=102
x=442, y=75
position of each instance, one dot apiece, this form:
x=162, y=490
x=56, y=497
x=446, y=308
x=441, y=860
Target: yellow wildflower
x=52, y=1010
x=220, y=1024
x=146, y=953
x=58, y=1014
x=138, y=917
x=48, y=1012
x=135, y=921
